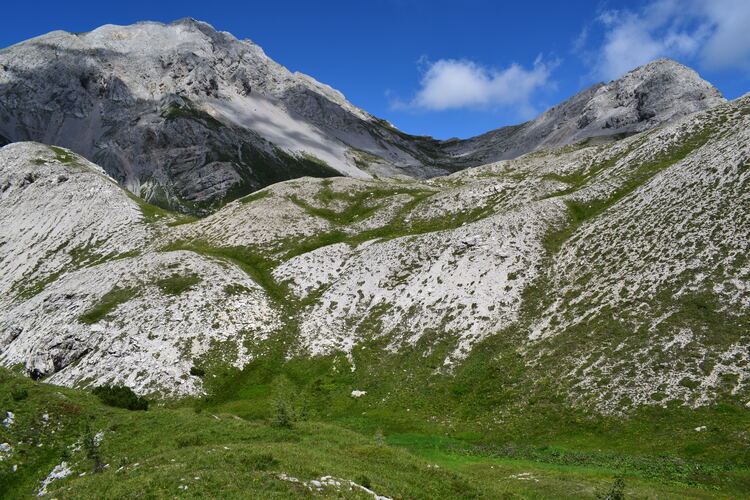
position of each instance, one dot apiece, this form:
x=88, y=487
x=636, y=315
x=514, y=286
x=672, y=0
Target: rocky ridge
x=188, y=117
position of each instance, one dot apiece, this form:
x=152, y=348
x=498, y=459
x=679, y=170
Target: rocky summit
x=185, y=220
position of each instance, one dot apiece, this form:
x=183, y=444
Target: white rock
x=59, y=472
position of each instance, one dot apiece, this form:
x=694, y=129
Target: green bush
x=120, y=397
x=363, y=480
x=191, y=440
x=197, y=371
x=19, y=394
x=91, y=445
x=616, y=492
x=281, y=417
x=262, y=461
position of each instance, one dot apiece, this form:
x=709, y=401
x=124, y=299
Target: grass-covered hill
x=69, y=444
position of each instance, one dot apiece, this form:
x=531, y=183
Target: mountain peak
x=660, y=65
x=201, y=26
x=668, y=72
x=648, y=96
x=189, y=20
x=154, y=103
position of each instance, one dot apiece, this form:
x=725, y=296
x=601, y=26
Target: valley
x=313, y=303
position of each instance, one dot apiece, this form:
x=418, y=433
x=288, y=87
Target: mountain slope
x=188, y=117
x=76, y=253
x=585, y=269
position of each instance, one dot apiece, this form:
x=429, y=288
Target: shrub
x=689, y=383
x=379, y=437
x=236, y=289
x=261, y=461
x=281, y=417
x=363, y=480
x=120, y=397
x=191, y=440
x=19, y=394
x=616, y=492
x=91, y=444
x=197, y=371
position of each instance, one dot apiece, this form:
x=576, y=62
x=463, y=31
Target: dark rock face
x=189, y=117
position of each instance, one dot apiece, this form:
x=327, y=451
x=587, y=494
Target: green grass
x=152, y=213
x=357, y=205
x=247, y=457
x=357, y=209
x=700, y=311
x=254, y=263
x=419, y=432
x=363, y=205
x=106, y=304
x=254, y=197
x=665, y=468
x=27, y=290
x=64, y=156
x=363, y=159
x=175, y=285
x=314, y=159
x=82, y=256
x=259, y=263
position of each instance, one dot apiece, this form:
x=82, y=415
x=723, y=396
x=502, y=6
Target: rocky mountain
x=188, y=117
x=646, y=97
x=603, y=275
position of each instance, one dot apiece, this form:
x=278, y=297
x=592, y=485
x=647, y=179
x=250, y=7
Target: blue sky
x=448, y=68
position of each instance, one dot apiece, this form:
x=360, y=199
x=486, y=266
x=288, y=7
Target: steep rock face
x=181, y=113
x=615, y=274
x=188, y=117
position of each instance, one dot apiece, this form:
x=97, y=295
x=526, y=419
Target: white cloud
x=454, y=84
x=713, y=33
x=729, y=45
